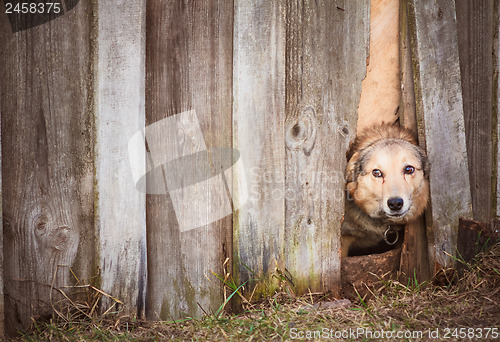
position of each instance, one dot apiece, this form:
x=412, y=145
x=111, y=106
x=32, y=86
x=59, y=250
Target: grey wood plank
x=433, y=33
x=327, y=44
x=46, y=79
x=414, y=255
x=475, y=42
x=120, y=208
x=188, y=68
x=258, y=123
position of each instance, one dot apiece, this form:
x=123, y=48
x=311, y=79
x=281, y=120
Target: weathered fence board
x=475, y=41
x=120, y=212
x=496, y=107
x=111, y=90
x=47, y=99
x=408, y=113
x=258, y=123
x=188, y=67
x=439, y=104
x=414, y=253
x=324, y=70
x=2, y=300
x=380, y=94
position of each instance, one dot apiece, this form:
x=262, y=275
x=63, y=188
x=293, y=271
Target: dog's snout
x=395, y=203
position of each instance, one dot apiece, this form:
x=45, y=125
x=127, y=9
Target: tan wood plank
x=381, y=89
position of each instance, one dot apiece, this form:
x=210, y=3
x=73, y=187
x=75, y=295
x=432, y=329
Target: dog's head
x=387, y=174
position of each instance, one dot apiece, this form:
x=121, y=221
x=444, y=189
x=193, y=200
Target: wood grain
x=359, y=273
x=496, y=106
x=381, y=90
x=2, y=300
x=188, y=67
x=475, y=41
x=433, y=35
x=414, y=263
x=326, y=62
x=120, y=208
x=258, y=123
x=46, y=79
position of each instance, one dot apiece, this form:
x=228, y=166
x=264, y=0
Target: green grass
x=471, y=302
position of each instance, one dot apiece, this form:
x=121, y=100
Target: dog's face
x=388, y=180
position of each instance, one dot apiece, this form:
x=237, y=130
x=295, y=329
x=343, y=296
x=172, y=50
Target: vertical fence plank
x=496, y=108
x=408, y=105
x=2, y=300
x=380, y=92
x=188, y=67
x=475, y=41
x=47, y=121
x=326, y=63
x=258, y=121
x=440, y=109
x=414, y=253
x=119, y=207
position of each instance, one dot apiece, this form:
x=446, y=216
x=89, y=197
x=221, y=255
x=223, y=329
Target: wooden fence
x=278, y=81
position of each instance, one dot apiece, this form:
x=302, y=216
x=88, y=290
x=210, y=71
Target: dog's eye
x=409, y=170
x=377, y=173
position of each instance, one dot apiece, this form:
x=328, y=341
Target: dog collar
x=391, y=235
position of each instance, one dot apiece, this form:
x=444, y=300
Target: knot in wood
x=60, y=238
x=301, y=131
x=40, y=223
x=440, y=13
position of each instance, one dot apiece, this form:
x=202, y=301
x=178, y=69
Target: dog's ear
x=351, y=168
x=350, y=175
x=352, y=157
x=353, y=148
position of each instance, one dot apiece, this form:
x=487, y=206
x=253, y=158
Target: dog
x=387, y=184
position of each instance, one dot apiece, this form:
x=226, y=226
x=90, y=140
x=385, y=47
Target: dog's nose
x=395, y=203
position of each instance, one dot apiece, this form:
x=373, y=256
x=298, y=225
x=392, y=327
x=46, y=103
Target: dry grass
x=471, y=302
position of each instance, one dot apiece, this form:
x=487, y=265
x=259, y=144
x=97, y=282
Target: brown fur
x=390, y=149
